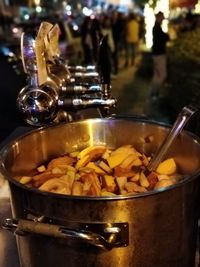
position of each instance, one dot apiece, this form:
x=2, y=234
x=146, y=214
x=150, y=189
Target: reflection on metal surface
x=8, y=248
x=4, y=190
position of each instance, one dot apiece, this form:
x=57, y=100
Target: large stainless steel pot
x=145, y=230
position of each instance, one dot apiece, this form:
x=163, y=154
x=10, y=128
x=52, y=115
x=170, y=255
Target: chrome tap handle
x=104, y=66
x=81, y=103
x=104, y=61
x=80, y=90
x=27, y=44
x=92, y=74
x=80, y=68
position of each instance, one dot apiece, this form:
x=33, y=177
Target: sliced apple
x=128, y=160
x=143, y=180
x=116, y=159
x=82, y=162
x=85, y=151
x=105, y=167
x=90, y=149
x=120, y=154
x=133, y=187
x=74, y=154
x=86, y=187
x=163, y=177
x=106, y=193
x=53, y=185
x=69, y=178
x=128, y=149
x=121, y=181
x=106, y=154
x=60, y=162
x=41, y=168
x=164, y=183
x=95, y=189
x=93, y=166
x=109, y=183
x=77, y=188
x=135, y=178
x=167, y=167
x=25, y=179
x=144, y=159
x=137, y=162
x=57, y=170
x=118, y=171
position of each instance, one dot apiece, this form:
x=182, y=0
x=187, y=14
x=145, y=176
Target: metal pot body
x=156, y=229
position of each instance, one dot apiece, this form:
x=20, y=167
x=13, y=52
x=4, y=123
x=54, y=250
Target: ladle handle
x=183, y=117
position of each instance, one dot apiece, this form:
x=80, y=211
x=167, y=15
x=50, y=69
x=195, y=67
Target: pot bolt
x=12, y=225
x=112, y=230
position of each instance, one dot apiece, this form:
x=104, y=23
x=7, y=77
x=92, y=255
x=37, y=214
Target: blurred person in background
x=5, y=25
x=107, y=31
x=160, y=39
x=86, y=41
x=132, y=39
x=96, y=35
x=142, y=30
x=118, y=32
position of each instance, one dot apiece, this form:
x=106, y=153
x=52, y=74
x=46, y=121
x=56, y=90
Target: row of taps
x=54, y=88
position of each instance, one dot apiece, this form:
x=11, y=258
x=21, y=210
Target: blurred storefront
x=183, y=3
x=127, y=3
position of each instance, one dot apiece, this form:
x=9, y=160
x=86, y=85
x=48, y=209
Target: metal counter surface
x=8, y=248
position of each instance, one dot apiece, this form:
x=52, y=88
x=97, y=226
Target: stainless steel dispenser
x=55, y=89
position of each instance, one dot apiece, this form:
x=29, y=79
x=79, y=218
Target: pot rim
x=4, y=150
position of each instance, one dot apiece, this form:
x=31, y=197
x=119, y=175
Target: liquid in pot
x=102, y=171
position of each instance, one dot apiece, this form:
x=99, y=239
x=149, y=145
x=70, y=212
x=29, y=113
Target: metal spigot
x=79, y=68
x=85, y=75
x=37, y=103
x=81, y=103
x=81, y=89
x=64, y=78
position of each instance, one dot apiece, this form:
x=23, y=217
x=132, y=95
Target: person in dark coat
x=160, y=39
x=118, y=29
x=86, y=41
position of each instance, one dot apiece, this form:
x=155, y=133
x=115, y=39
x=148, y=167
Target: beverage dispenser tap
x=37, y=101
x=104, y=66
x=105, y=101
x=60, y=71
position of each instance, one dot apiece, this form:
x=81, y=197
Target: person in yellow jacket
x=132, y=39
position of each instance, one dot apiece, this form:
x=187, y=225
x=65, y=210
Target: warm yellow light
x=127, y=3
x=37, y=2
x=163, y=5
x=149, y=22
x=149, y=13
x=197, y=7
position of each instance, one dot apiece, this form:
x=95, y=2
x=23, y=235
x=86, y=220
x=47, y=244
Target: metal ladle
x=186, y=113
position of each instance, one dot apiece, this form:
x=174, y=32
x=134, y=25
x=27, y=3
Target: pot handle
x=116, y=235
